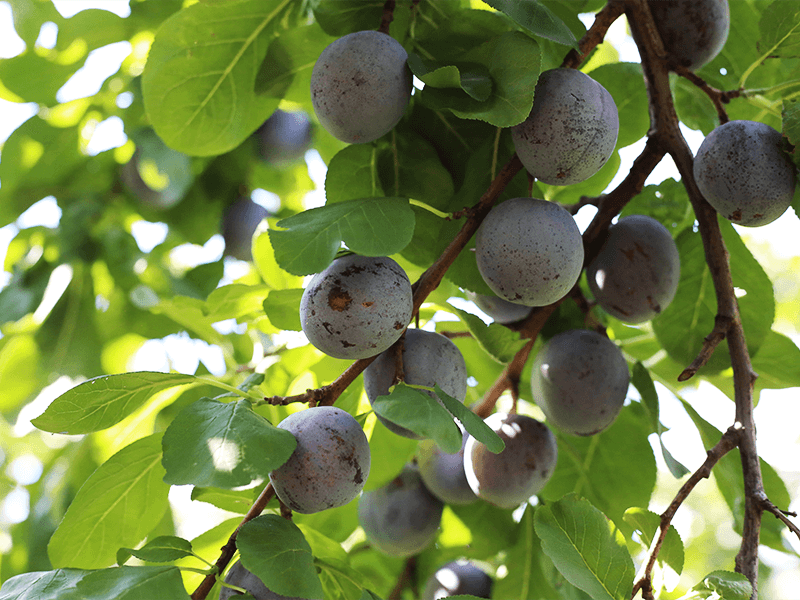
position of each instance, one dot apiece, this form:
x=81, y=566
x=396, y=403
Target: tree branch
x=721, y=326
x=718, y=97
x=602, y=21
x=727, y=442
x=782, y=516
x=229, y=549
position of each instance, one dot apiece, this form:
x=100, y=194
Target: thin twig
x=602, y=21
x=727, y=442
x=719, y=98
x=229, y=549
x=782, y=515
x=712, y=340
x=387, y=17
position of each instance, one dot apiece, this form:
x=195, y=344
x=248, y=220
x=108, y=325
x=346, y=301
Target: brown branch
x=387, y=17
x=229, y=548
x=718, y=98
x=432, y=277
x=664, y=127
x=597, y=32
x=405, y=580
x=783, y=516
x=509, y=379
x=712, y=340
x=727, y=442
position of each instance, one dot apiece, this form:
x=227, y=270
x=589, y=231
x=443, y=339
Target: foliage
x=84, y=300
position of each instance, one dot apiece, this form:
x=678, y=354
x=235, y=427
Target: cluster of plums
x=530, y=253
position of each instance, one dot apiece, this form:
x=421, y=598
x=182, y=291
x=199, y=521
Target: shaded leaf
x=353, y=173
x=536, y=18
x=474, y=79
x=389, y=450
x=780, y=30
x=647, y=524
x=474, y=425
x=724, y=584
x=499, y=342
x=131, y=583
x=41, y=585
x=275, y=550
x=418, y=412
x=163, y=549
x=282, y=308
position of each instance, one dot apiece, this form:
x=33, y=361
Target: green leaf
x=499, y=342
x=586, y=547
x=536, y=18
x=199, y=81
x=237, y=501
x=417, y=411
x=667, y=203
x=474, y=78
x=104, y=401
x=282, y=308
x=791, y=130
x=647, y=524
x=163, y=549
x=725, y=585
x=682, y=327
x=275, y=550
x=777, y=362
x=369, y=226
x=19, y=367
x=226, y=445
x=513, y=61
x=474, y=425
x=117, y=506
x=614, y=469
x=41, y=585
x=131, y=583
x=339, y=580
x=353, y=173
x=780, y=30
x=340, y=17
x=236, y=301
x=15, y=73
x=625, y=83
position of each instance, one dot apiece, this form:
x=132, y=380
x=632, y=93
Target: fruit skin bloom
x=360, y=86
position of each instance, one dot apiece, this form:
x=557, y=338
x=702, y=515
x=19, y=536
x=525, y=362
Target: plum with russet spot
x=330, y=464
x=357, y=307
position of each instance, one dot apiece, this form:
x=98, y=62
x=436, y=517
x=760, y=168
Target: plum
x=743, y=173
x=284, y=137
x=443, y=473
x=571, y=130
x=529, y=251
x=357, y=307
x=580, y=381
x=241, y=577
x=518, y=472
x=330, y=464
x=402, y=517
x=239, y=223
x=360, y=86
x=428, y=358
x=457, y=578
x=636, y=272
x=693, y=31
x=501, y=311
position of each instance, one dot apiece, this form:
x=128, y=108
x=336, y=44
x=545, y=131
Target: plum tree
x=502, y=311
x=529, y=251
x=635, y=275
x=284, y=137
x=241, y=577
x=357, y=307
x=571, y=130
x=429, y=358
x=360, y=86
x=459, y=577
x=518, y=472
x=580, y=380
x=402, y=517
x=743, y=173
x=239, y=223
x=330, y=464
x=443, y=473
x=693, y=31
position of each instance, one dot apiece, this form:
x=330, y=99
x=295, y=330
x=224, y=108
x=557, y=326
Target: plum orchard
x=409, y=449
